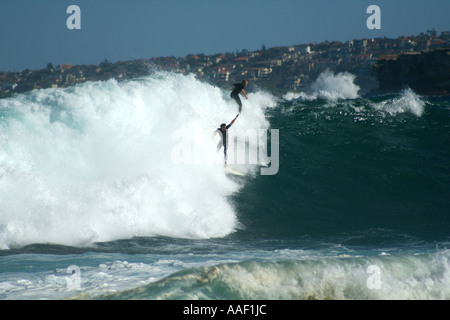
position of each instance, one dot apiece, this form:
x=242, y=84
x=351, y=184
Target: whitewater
x=122, y=181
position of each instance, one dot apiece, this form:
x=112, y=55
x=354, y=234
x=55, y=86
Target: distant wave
x=335, y=86
x=408, y=101
x=329, y=86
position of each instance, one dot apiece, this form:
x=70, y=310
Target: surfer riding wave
x=223, y=130
x=238, y=88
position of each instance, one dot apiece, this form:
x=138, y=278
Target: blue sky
x=33, y=33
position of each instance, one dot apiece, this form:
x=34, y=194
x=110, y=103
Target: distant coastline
x=380, y=65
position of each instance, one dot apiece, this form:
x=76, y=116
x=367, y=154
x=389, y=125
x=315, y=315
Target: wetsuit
x=235, y=94
x=223, y=142
x=224, y=138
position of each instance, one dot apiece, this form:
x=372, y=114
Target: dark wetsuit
x=235, y=94
x=224, y=138
x=224, y=141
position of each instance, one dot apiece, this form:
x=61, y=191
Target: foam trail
x=94, y=162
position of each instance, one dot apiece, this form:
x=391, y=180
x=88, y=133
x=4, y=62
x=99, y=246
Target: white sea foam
x=93, y=162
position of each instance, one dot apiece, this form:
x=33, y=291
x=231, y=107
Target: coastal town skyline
x=373, y=63
x=36, y=33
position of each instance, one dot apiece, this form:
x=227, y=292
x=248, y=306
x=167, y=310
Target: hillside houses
x=278, y=69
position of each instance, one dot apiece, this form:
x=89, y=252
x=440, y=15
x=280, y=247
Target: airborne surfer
x=238, y=88
x=223, y=137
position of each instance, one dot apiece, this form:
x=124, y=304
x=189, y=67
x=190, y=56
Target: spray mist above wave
x=93, y=162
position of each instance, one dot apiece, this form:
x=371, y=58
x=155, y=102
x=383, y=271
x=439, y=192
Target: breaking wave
x=95, y=162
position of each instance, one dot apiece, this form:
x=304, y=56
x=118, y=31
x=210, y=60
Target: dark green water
x=351, y=168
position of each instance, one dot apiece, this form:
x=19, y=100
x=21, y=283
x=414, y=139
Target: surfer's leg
x=225, y=154
x=238, y=101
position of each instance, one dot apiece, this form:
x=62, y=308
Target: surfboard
x=229, y=170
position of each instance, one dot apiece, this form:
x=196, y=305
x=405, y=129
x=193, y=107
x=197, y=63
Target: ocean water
x=115, y=190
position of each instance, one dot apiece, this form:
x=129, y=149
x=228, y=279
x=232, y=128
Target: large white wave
x=95, y=162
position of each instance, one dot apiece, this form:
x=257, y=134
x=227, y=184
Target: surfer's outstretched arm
x=232, y=121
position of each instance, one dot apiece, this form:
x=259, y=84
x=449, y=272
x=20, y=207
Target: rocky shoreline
x=427, y=73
